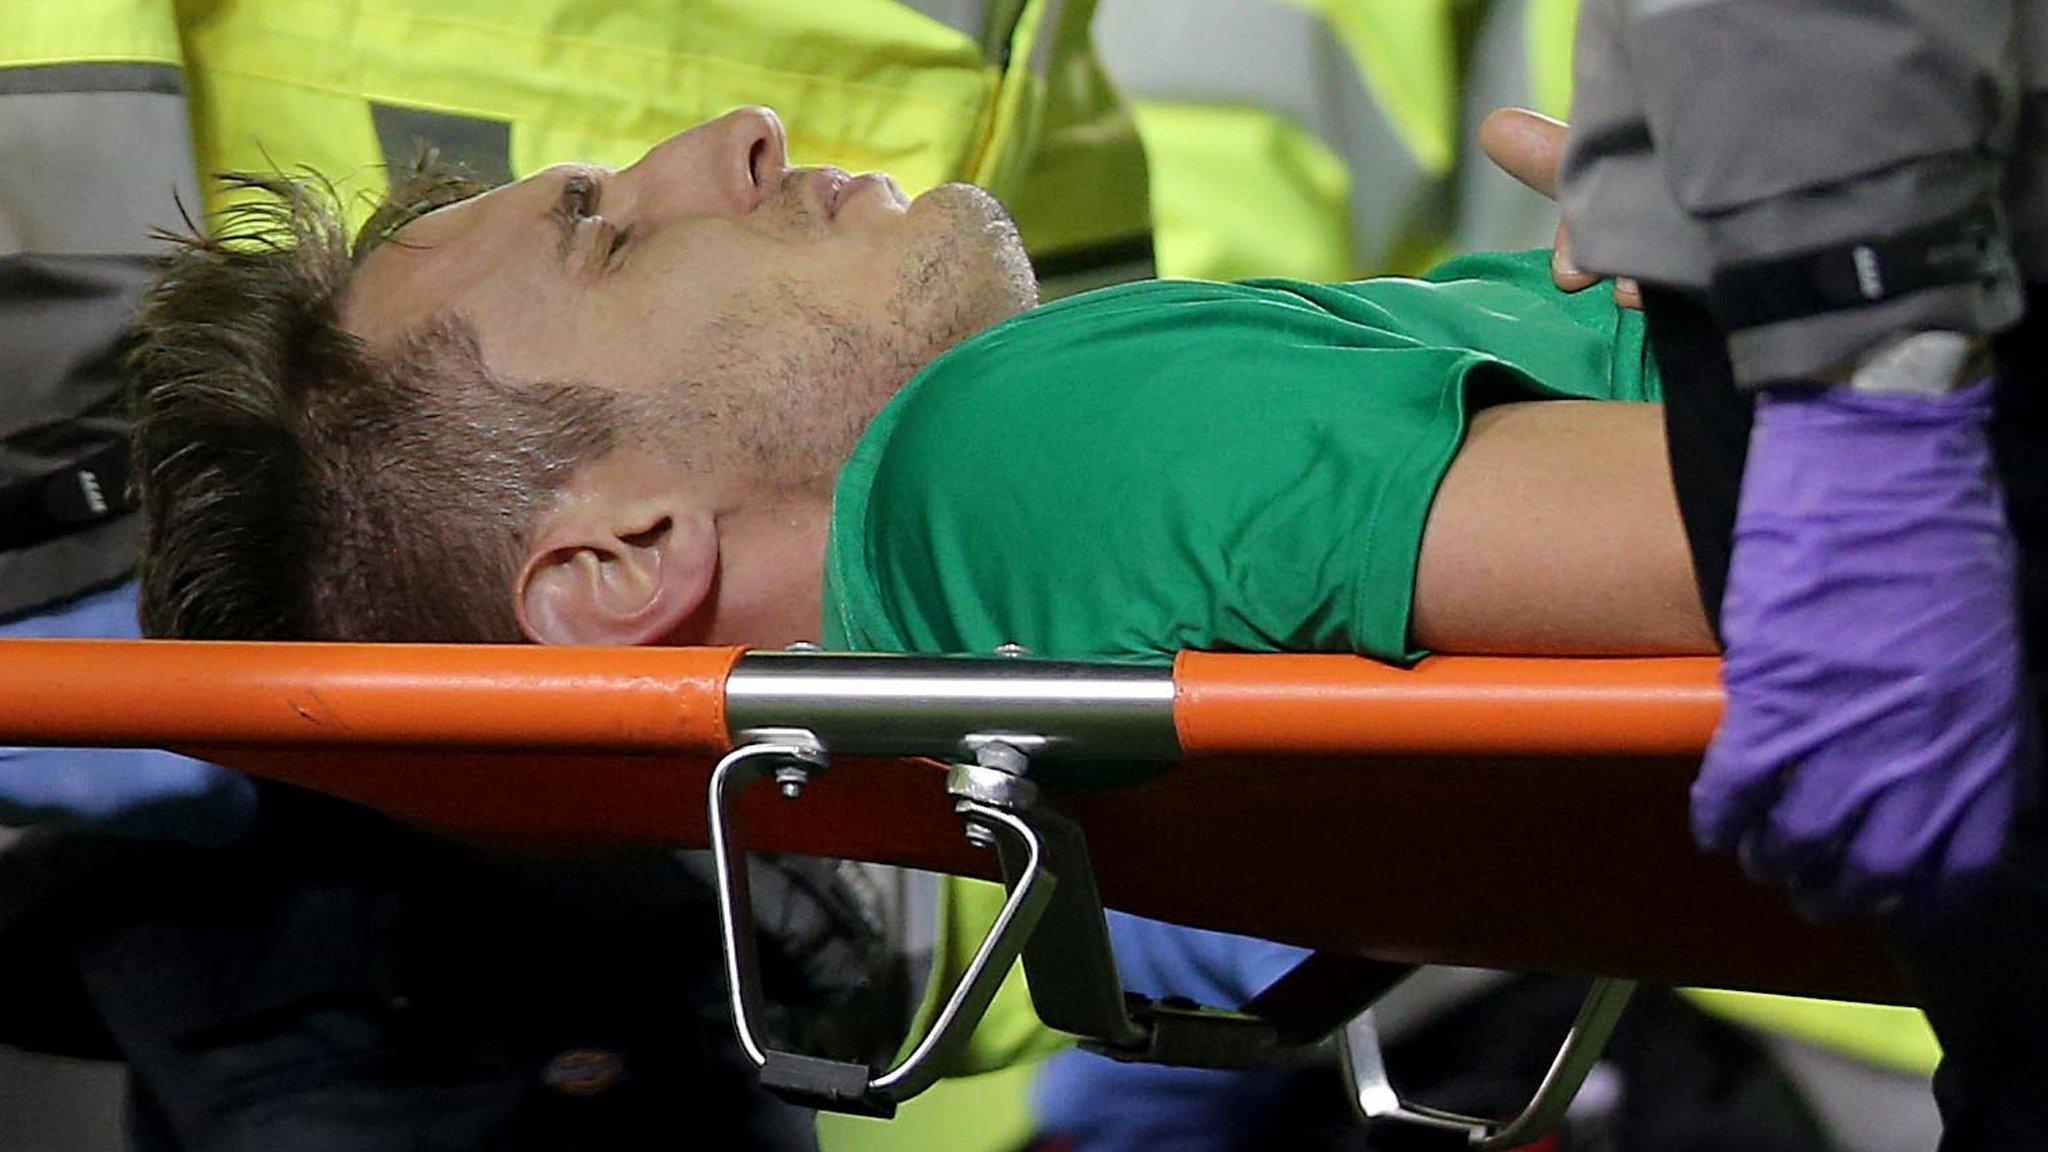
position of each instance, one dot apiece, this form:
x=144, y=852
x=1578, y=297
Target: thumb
x=1564, y=271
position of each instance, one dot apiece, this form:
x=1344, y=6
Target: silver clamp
x=792, y=757
x=1376, y=1098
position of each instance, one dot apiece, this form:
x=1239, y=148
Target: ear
x=611, y=571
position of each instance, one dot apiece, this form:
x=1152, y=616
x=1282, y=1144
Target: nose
x=728, y=165
x=759, y=150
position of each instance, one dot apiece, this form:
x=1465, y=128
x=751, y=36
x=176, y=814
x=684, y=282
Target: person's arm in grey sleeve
x=1845, y=164
x=97, y=154
x=1838, y=170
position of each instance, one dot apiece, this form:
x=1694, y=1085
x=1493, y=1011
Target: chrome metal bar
x=1376, y=1099
x=964, y=1009
x=740, y=768
x=1603, y=1009
x=949, y=706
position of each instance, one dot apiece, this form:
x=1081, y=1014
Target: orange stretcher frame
x=1509, y=813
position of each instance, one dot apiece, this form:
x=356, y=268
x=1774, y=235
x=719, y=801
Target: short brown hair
x=297, y=485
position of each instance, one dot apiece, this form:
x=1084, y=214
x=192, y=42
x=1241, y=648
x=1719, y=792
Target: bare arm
x=1556, y=533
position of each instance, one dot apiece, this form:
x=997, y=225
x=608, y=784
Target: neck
x=771, y=571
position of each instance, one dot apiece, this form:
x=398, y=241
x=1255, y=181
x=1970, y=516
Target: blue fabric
x=1101, y=1105
x=127, y=791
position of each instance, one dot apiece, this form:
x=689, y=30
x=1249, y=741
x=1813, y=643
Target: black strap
x=85, y=493
x=1323, y=992
x=1834, y=279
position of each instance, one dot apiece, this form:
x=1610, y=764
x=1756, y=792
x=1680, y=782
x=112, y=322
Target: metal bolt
x=980, y=837
x=803, y=646
x=1012, y=651
x=1002, y=757
x=791, y=779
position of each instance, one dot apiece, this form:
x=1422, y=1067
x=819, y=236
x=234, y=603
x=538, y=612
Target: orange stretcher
x=1507, y=813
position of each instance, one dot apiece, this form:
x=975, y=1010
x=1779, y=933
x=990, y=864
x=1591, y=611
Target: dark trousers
x=1982, y=979
x=339, y=983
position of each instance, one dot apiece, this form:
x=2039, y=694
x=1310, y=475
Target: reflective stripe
x=968, y=17
x=1655, y=7
x=94, y=141
x=74, y=497
x=1283, y=58
x=1407, y=55
x=1049, y=29
x=60, y=317
x=90, y=173
x=1495, y=212
x=1252, y=53
x=483, y=144
x=163, y=79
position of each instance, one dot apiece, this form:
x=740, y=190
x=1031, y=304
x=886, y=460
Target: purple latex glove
x=1877, y=741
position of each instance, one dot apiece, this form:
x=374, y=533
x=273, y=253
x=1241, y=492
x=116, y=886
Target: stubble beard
x=967, y=272
x=970, y=273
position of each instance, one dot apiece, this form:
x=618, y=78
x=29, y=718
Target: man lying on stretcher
x=712, y=399
x=690, y=400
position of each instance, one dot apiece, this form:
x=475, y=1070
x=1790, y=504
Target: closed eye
x=575, y=203
x=579, y=196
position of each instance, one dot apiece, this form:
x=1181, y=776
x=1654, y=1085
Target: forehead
x=463, y=256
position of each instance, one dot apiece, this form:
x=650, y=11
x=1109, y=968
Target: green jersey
x=1178, y=464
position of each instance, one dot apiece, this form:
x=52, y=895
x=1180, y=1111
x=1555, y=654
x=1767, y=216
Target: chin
x=982, y=255
x=963, y=269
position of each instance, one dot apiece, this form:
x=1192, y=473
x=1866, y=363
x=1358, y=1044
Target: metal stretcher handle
x=1376, y=1099
x=836, y=1085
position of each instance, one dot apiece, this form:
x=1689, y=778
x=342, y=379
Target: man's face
x=763, y=313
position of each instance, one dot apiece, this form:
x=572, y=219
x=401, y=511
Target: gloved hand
x=1877, y=741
